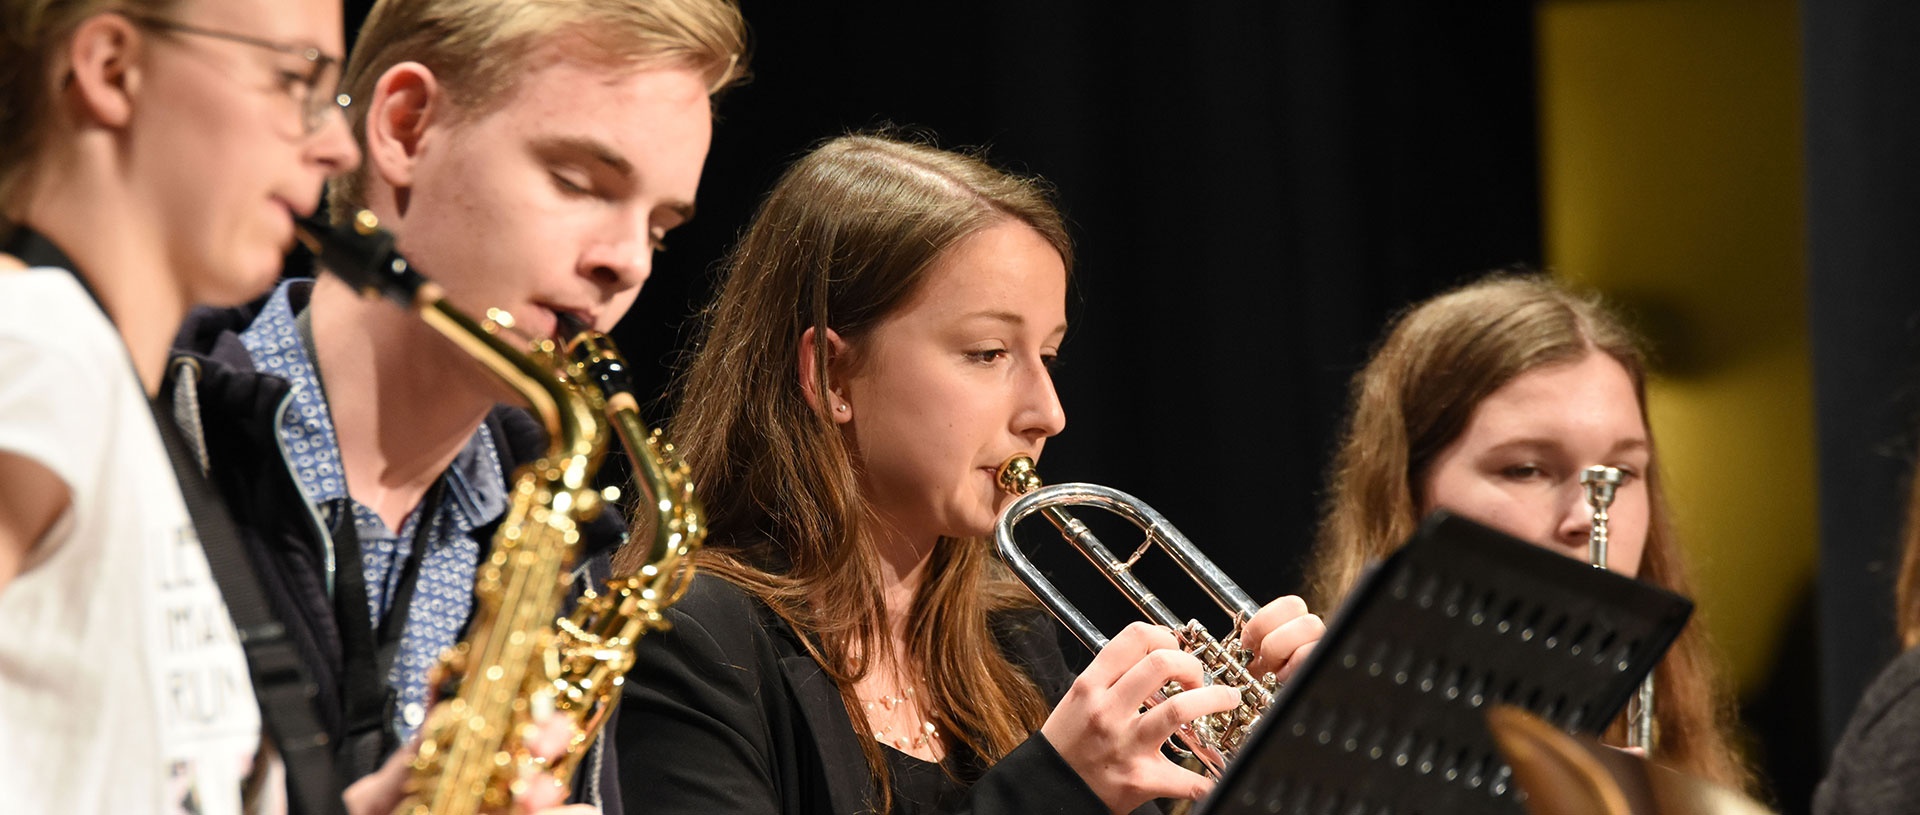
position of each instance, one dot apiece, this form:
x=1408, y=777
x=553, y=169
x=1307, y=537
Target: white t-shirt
x=123, y=688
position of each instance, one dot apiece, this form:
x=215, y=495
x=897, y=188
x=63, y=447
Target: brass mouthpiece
x=1600, y=483
x=1017, y=476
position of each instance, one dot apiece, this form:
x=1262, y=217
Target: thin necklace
x=888, y=704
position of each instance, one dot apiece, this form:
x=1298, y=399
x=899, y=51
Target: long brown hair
x=841, y=242
x=1906, y=610
x=1417, y=395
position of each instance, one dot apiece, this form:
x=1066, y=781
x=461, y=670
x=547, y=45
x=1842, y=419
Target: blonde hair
x=1416, y=396
x=842, y=241
x=34, y=37
x=477, y=49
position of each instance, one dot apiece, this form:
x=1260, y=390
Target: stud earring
x=842, y=407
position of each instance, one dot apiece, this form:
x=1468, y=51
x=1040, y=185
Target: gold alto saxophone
x=596, y=642
x=472, y=756
x=1600, y=483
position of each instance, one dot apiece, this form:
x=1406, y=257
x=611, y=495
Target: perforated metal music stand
x=1388, y=715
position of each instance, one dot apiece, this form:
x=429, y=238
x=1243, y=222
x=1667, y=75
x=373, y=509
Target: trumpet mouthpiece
x=1600, y=482
x=1017, y=475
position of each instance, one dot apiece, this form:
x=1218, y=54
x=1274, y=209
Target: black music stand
x=1388, y=715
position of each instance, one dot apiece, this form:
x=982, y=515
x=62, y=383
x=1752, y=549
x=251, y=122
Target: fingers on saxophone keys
x=1299, y=658
x=548, y=738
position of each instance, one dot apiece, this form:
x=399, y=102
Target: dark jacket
x=726, y=714
x=232, y=411
x=1876, y=767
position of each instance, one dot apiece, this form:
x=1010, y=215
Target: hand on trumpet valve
x=1101, y=731
x=1280, y=636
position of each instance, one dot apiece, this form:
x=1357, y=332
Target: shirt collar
x=476, y=481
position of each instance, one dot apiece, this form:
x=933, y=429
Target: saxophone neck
x=676, y=522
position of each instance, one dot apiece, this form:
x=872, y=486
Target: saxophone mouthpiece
x=572, y=326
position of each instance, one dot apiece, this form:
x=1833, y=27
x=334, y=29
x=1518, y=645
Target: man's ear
x=103, y=74
x=405, y=101
x=835, y=404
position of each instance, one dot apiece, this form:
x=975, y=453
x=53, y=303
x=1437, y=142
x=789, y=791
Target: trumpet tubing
x=1600, y=484
x=1213, y=740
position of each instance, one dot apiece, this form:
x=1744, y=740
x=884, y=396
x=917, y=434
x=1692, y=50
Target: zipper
x=313, y=512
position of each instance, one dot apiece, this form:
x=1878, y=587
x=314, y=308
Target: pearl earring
x=842, y=407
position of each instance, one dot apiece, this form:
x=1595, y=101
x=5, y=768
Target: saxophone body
x=472, y=757
x=595, y=646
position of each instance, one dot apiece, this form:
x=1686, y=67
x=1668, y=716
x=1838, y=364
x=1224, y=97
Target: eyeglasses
x=315, y=90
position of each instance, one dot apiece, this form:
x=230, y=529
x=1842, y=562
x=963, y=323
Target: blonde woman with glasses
x=153, y=156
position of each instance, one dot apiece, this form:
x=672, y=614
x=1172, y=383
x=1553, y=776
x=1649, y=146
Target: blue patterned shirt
x=475, y=494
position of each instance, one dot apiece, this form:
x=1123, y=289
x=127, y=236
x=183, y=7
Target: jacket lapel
x=848, y=781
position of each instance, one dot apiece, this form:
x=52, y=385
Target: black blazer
x=726, y=714
x=1873, y=766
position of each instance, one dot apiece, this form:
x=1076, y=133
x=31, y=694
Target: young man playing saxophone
x=529, y=157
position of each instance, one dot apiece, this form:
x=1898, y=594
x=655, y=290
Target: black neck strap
x=33, y=249
x=281, y=683
x=368, y=652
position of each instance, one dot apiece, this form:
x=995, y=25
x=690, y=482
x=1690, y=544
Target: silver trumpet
x=1600, y=483
x=1212, y=740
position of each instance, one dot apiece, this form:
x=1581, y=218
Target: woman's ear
x=406, y=99
x=834, y=403
x=102, y=71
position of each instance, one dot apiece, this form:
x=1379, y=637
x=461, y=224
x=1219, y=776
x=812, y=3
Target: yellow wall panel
x=1672, y=182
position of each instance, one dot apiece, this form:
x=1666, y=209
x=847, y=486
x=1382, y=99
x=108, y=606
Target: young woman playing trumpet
x=1490, y=401
x=880, y=345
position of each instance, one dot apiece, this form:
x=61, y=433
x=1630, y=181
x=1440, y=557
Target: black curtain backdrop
x=1863, y=202
x=1254, y=189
